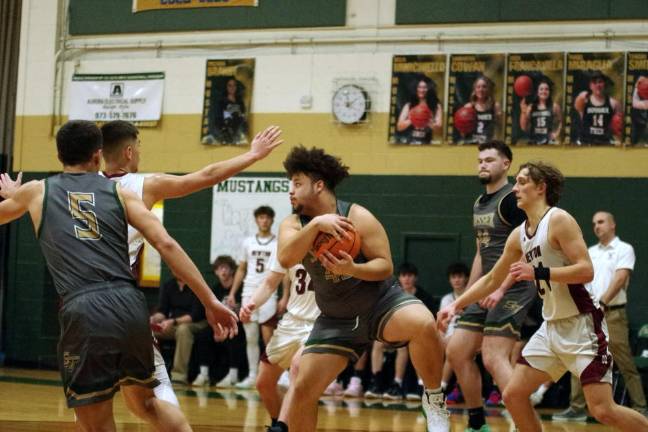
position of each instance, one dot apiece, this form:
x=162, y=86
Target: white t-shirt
x=301, y=303
x=445, y=301
x=258, y=253
x=133, y=183
x=560, y=300
x=607, y=260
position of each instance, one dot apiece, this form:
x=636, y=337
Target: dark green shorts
x=351, y=337
x=506, y=318
x=105, y=343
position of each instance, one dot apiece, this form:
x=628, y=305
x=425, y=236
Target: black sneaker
x=415, y=393
x=393, y=392
x=374, y=391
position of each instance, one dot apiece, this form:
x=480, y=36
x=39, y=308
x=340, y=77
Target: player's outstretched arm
x=261, y=294
x=27, y=198
x=219, y=316
x=163, y=186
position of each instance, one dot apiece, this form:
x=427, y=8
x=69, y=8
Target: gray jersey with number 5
x=83, y=232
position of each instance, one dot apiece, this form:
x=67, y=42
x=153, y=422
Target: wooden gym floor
x=32, y=400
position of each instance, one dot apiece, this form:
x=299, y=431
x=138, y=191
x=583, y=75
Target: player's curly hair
x=542, y=172
x=316, y=164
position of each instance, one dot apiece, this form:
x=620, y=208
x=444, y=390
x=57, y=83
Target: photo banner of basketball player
x=226, y=108
x=135, y=97
x=475, y=95
x=146, y=5
x=636, y=111
x=534, y=98
x=594, y=91
x=417, y=95
x=233, y=204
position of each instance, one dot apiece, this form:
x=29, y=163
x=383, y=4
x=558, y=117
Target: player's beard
x=485, y=180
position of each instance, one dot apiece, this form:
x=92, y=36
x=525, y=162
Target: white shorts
x=164, y=390
x=265, y=312
x=287, y=339
x=577, y=344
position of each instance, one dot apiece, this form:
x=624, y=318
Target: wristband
x=541, y=273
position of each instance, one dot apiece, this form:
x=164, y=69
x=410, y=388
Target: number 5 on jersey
x=76, y=201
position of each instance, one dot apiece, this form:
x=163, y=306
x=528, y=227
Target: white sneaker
x=247, y=383
x=284, y=380
x=435, y=412
x=354, y=389
x=225, y=382
x=200, y=381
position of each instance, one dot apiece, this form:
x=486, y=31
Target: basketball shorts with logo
x=287, y=339
x=105, y=343
x=351, y=337
x=506, y=318
x=265, y=313
x=578, y=344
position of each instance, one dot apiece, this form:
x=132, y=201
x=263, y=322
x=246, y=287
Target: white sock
x=542, y=389
x=398, y=381
x=204, y=370
x=436, y=390
x=233, y=374
x=444, y=385
x=252, y=347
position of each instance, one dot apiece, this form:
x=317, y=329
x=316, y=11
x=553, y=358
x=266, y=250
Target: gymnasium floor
x=32, y=400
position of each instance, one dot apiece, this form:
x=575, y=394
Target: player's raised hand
x=245, y=314
x=335, y=225
x=8, y=187
x=266, y=141
x=222, y=320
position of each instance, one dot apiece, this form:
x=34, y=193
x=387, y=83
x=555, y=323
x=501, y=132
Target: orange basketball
x=420, y=116
x=642, y=88
x=617, y=124
x=465, y=120
x=523, y=86
x=326, y=242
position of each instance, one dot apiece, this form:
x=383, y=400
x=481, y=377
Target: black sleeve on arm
x=510, y=212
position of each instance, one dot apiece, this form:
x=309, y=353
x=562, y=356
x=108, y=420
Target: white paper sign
x=131, y=97
x=234, y=202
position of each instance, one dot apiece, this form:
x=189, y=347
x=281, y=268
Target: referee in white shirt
x=613, y=262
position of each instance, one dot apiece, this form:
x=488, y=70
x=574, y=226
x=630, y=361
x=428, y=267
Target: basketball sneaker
x=226, y=382
x=334, y=389
x=494, y=399
x=247, y=383
x=394, y=392
x=435, y=412
x=201, y=380
x=570, y=415
x=374, y=391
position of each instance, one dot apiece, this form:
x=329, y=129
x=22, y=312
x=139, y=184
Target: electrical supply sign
x=145, y=5
x=131, y=97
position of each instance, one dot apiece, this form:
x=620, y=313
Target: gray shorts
x=506, y=318
x=350, y=337
x=105, y=343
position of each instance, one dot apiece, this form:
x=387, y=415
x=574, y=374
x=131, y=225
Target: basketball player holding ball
x=422, y=115
x=639, y=112
x=488, y=111
x=542, y=118
x=356, y=302
x=596, y=110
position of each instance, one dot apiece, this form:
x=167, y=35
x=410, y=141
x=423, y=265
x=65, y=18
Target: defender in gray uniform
x=357, y=304
x=494, y=324
x=81, y=219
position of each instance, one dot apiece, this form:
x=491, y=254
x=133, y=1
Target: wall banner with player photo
x=534, y=98
x=133, y=97
x=636, y=112
x=228, y=95
x=144, y=5
x=594, y=98
x=233, y=205
x=475, y=94
x=417, y=96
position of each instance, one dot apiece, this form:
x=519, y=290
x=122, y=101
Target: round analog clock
x=350, y=104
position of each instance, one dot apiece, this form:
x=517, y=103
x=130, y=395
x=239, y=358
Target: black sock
x=476, y=417
x=357, y=373
x=274, y=422
x=282, y=426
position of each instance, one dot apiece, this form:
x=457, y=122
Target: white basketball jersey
x=258, y=253
x=301, y=303
x=560, y=300
x=133, y=183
